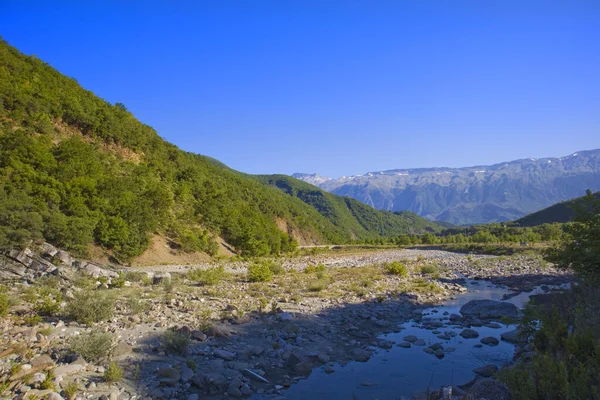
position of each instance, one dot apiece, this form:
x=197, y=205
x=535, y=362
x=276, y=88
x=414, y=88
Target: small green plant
x=33, y=320
x=208, y=277
x=312, y=269
x=175, y=342
x=262, y=305
x=136, y=372
x=48, y=383
x=15, y=367
x=191, y=364
x=113, y=373
x=259, y=272
x=33, y=397
x=93, y=346
x=396, y=268
x=168, y=284
x=274, y=306
x=50, y=304
x=4, y=387
x=91, y=306
x=317, y=285
x=137, y=306
x=71, y=390
x=428, y=269
x=4, y=302
x=119, y=281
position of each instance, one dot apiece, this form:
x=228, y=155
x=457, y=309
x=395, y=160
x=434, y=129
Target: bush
x=396, y=268
x=175, y=342
x=317, y=285
x=137, y=306
x=71, y=390
x=92, y=346
x=4, y=303
x=49, y=305
x=91, y=306
x=259, y=272
x=311, y=269
x=428, y=269
x=208, y=277
x=276, y=268
x=113, y=373
x=119, y=281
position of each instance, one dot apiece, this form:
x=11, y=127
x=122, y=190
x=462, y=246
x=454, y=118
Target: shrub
x=317, y=285
x=259, y=272
x=113, y=373
x=396, y=268
x=91, y=306
x=4, y=303
x=175, y=342
x=311, y=269
x=276, y=268
x=48, y=383
x=92, y=346
x=428, y=269
x=119, y=281
x=50, y=304
x=208, y=277
x=137, y=306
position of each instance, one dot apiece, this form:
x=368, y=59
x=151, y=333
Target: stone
x=285, y=316
x=170, y=373
x=54, y=396
x=493, y=325
x=487, y=370
x=489, y=309
x=303, y=368
x=428, y=350
x=198, y=335
x=419, y=342
x=324, y=358
x=512, y=336
x=439, y=353
x=469, y=334
x=410, y=338
x=69, y=369
x=404, y=345
x=219, y=331
x=361, y=355
x=490, y=341
x=489, y=389
x=246, y=391
x=436, y=346
x=159, y=278
x=122, y=349
x=224, y=354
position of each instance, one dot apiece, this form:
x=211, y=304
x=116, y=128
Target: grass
x=207, y=277
x=71, y=390
x=395, y=268
x=428, y=269
x=259, y=272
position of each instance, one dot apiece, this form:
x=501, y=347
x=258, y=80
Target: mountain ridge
x=477, y=194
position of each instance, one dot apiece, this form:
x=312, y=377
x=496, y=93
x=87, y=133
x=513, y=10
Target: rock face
x=487, y=309
x=489, y=389
x=478, y=194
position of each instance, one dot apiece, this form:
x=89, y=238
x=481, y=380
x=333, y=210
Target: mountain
x=472, y=195
x=78, y=171
x=560, y=212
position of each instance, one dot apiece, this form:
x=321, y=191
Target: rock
x=487, y=370
x=96, y=272
x=294, y=359
x=410, y=338
x=233, y=389
x=69, y=369
x=428, y=350
x=284, y=316
x=224, y=354
x=513, y=336
x=444, y=337
x=361, y=355
x=170, y=373
x=324, y=358
x=303, y=368
x=489, y=389
x=329, y=369
x=122, y=349
x=490, y=341
x=54, y=396
x=493, y=325
x=436, y=346
x=419, y=342
x=439, y=353
x=219, y=331
x=469, y=334
x=404, y=345
x=159, y=278
x=246, y=391
x=489, y=309
x=198, y=335
x=113, y=396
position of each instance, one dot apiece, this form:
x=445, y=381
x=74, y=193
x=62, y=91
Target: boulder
x=159, y=278
x=469, y=334
x=513, y=336
x=487, y=370
x=490, y=341
x=361, y=355
x=487, y=309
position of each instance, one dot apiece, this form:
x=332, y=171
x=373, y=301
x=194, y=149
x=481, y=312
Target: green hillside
x=353, y=216
x=560, y=212
x=77, y=170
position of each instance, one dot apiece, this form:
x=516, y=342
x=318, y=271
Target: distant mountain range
x=472, y=195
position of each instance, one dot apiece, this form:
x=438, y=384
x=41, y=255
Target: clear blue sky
x=335, y=87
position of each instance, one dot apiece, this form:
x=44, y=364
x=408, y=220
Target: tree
x=580, y=250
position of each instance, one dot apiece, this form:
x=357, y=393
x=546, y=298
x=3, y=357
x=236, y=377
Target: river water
x=397, y=372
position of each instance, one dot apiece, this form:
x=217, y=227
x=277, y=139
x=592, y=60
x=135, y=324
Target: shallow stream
x=396, y=372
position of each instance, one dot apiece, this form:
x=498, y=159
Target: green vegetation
x=558, y=213
x=428, y=269
x=113, y=373
x=207, y=277
x=396, y=268
x=71, y=390
x=4, y=301
x=259, y=272
x=92, y=346
x=91, y=306
x=564, y=331
x=175, y=342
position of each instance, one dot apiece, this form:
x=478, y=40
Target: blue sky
x=335, y=87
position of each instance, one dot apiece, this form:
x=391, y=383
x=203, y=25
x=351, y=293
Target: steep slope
x=77, y=170
x=481, y=194
x=350, y=214
x=561, y=212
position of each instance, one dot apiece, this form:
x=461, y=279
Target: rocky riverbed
x=245, y=338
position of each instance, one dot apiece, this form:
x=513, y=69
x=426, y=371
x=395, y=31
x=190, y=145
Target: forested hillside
x=560, y=212
x=77, y=170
